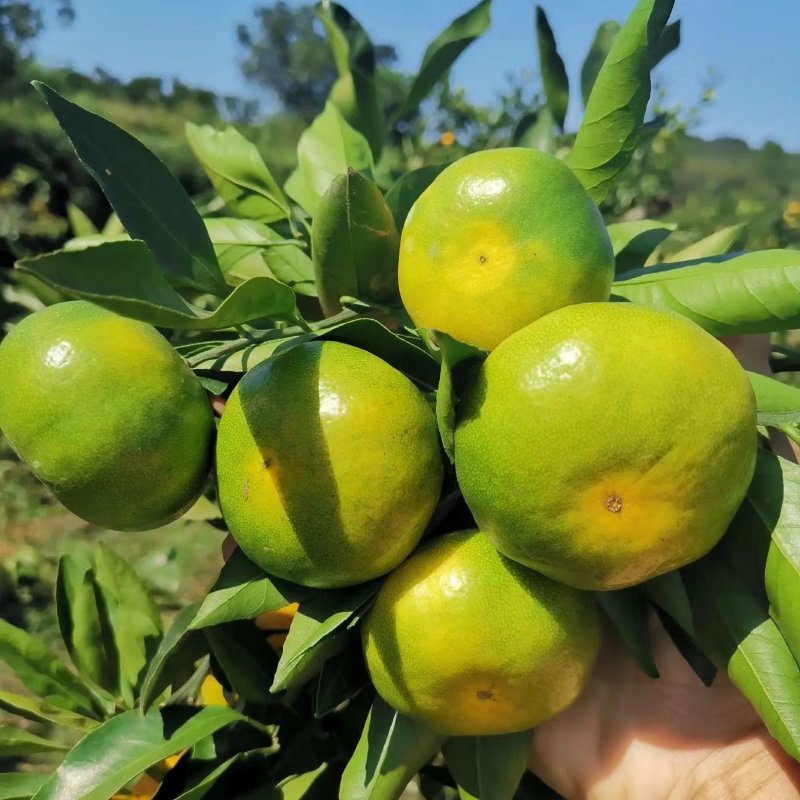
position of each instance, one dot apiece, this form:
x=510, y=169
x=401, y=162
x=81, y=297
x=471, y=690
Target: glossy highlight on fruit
x=328, y=465
x=107, y=414
x=470, y=643
x=606, y=444
x=499, y=239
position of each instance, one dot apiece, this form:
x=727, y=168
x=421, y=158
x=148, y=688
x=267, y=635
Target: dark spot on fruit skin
x=267, y=463
x=614, y=504
x=482, y=259
x=485, y=694
x=246, y=490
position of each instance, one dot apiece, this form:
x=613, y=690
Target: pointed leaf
x=318, y=631
x=248, y=249
x=122, y=277
x=128, y=744
x=735, y=630
x=551, y=66
x=458, y=361
x=408, y=188
x=243, y=591
x=39, y=711
x=609, y=133
x=329, y=147
x=354, y=244
x=245, y=657
x=390, y=751
x=355, y=92
x=668, y=42
x=775, y=496
x=539, y=133
x=134, y=616
x=634, y=241
x=238, y=173
x=443, y=51
x=296, y=787
x=488, y=767
x=598, y=52
x=84, y=624
x=668, y=593
x=342, y=677
x=717, y=244
x=17, y=742
x=777, y=403
x=177, y=652
x=628, y=613
x=20, y=785
x=148, y=198
x=81, y=224
x=43, y=672
x=751, y=293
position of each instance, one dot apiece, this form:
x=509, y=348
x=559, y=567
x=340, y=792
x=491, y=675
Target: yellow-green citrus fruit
x=499, y=239
x=106, y=414
x=606, y=444
x=328, y=465
x=472, y=644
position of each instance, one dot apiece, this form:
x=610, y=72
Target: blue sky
x=751, y=45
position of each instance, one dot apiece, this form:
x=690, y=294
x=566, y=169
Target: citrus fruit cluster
x=600, y=444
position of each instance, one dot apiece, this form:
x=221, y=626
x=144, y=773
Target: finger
x=218, y=404
x=229, y=547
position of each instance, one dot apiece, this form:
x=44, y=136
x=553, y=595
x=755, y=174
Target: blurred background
x=725, y=151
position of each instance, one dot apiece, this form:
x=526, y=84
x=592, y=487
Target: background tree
x=287, y=53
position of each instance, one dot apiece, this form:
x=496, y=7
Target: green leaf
x=408, y=188
x=134, y=617
x=775, y=497
x=318, y=631
x=327, y=148
x=537, y=131
x=717, y=244
x=456, y=360
x=245, y=657
x=342, y=677
x=488, y=767
x=20, y=785
x=354, y=244
x=735, y=630
x=635, y=240
x=295, y=787
x=685, y=645
x=391, y=750
x=243, y=591
x=609, y=133
x=668, y=593
x=355, y=92
x=44, y=673
x=751, y=293
x=628, y=613
x=84, y=624
x=17, y=742
x=551, y=66
x=248, y=249
x=126, y=745
x=177, y=652
x=404, y=353
x=148, y=198
x=81, y=224
x=39, y=711
x=777, y=403
x=668, y=42
x=238, y=173
x=135, y=288
x=443, y=51
x=598, y=52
